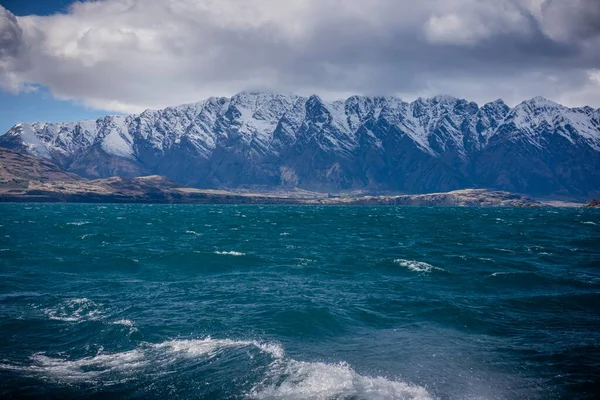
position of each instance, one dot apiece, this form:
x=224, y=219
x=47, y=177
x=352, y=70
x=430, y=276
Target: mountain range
x=364, y=143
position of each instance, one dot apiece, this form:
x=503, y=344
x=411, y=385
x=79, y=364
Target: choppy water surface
x=298, y=302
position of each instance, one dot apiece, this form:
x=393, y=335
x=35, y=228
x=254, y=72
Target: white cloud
x=474, y=21
x=128, y=55
x=594, y=75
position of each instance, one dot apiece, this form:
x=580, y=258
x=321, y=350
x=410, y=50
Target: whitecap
x=589, y=223
x=284, y=234
x=505, y=250
x=285, y=378
x=124, y=322
x=291, y=379
x=107, y=366
x=417, y=266
x=75, y=310
x=209, y=346
x=78, y=223
x=230, y=253
x=193, y=233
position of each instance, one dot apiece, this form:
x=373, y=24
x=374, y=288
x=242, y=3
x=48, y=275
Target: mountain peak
x=444, y=98
x=262, y=138
x=539, y=101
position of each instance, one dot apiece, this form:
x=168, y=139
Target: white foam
x=417, y=266
x=106, y=367
x=78, y=223
x=124, y=322
x=505, y=250
x=285, y=379
x=208, y=346
x=87, y=369
x=193, y=233
x=230, y=253
x=589, y=223
x=293, y=379
x=75, y=310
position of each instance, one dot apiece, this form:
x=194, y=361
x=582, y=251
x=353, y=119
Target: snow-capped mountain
x=376, y=143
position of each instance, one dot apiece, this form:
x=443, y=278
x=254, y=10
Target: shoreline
x=459, y=198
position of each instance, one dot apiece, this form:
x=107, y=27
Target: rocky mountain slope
x=368, y=143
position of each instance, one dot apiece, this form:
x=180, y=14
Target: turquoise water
x=298, y=302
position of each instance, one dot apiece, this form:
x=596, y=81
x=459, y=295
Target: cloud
x=473, y=21
x=12, y=52
x=128, y=55
x=571, y=20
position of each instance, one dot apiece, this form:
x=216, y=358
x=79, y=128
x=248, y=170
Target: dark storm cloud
x=13, y=55
x=127, y=55
x=580, y=19
x=10, y=35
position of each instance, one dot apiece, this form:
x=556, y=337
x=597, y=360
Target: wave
x=78, y=223
x=503, y=273
x=534, y=278
x=193, y=233
x=315, y=380
x=126, y=323
x=417, y=266
x=284, y=378
x=94, y=368
x=75, y=310
x=589, y=223
x=230, y=253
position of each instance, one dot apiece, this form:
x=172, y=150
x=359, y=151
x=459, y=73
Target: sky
x=64, y=60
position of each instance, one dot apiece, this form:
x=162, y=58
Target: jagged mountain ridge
x=377, y=143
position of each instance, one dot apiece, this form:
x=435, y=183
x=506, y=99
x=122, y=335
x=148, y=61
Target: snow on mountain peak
x=436, y=125
x=436, y=143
